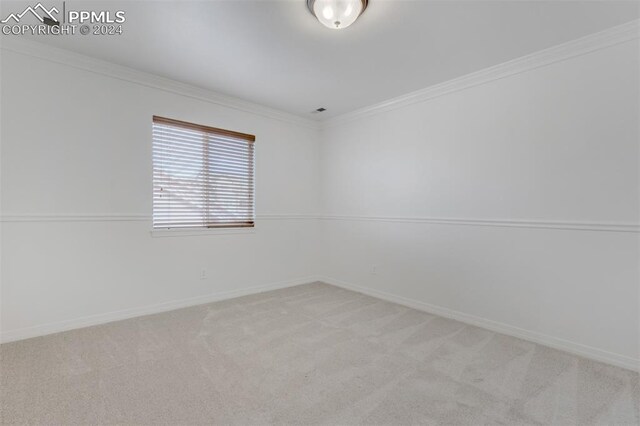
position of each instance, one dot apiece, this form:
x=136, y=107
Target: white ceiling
x=275, y=53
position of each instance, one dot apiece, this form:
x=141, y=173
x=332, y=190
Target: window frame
x=210, y=228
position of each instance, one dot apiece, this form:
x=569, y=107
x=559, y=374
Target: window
x=202, y=176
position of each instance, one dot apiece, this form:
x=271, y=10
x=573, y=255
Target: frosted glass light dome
x=336, y=14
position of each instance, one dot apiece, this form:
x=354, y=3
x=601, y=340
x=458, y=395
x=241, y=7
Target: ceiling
x=276, y=54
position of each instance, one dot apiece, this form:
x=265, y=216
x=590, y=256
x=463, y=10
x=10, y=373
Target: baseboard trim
x=88, y=321
x=543, y=339
x=532, y=336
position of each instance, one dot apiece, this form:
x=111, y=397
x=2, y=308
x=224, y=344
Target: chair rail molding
x=512, y=223
x=127, y=217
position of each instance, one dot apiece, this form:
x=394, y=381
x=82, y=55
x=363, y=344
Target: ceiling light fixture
x=337, y=14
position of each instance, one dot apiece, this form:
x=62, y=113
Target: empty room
x=320, y=212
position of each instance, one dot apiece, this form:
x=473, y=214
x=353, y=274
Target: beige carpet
x=312, y=354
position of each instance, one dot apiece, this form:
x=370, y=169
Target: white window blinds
x=202, y=176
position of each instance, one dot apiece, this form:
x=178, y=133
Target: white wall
x=559, y=144
x=76, y=154
x=512, y=204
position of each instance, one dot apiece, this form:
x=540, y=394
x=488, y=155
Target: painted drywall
x=77, y=197
x=496, y=204
x=558, y=143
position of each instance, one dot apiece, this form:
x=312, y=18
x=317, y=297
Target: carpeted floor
x=312, y=354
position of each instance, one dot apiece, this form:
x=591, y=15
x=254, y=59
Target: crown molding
x=610, y=37
x=75, y=60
